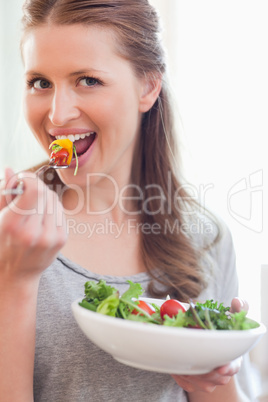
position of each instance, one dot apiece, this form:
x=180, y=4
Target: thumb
x=239, y=304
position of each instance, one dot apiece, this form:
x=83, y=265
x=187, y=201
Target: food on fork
x=62, y=153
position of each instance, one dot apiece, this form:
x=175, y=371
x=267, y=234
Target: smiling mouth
x=82, y=142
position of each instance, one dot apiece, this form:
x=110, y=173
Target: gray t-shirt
x=70, y=368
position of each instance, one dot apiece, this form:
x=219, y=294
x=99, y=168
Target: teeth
x=74, y=137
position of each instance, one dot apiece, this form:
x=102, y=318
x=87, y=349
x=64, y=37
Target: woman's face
x=77, y=86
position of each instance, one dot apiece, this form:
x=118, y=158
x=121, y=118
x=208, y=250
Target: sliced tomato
x=171, y=308
x=144, y=306
x=60, y=157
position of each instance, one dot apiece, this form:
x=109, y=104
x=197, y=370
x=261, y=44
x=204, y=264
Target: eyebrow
x=34, y=73
x=74, y=74
x=87, y=71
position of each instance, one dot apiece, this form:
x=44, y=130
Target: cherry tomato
x=60, y=156
x=171, y=308
x=144, y=306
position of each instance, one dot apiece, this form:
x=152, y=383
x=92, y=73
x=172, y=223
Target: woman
x=95, y=73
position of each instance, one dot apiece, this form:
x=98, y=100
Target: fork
x=19, y=189
x=50, y=165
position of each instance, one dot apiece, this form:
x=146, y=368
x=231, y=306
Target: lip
x=68, y=131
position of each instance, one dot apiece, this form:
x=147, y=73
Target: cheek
x=120, y=112
x=31, y=111
x=34, y=116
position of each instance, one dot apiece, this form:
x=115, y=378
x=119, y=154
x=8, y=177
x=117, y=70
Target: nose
x=63, y=107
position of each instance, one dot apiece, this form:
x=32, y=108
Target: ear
x=151, y=88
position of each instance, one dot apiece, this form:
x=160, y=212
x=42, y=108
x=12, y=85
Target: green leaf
x=239, y=321
x=105, y=299
x=180, y=320
x=149, y=319
x=56, y=148
x=135, y=290
x=76, y=160
x=109, y=305
x=213, y=306
x=87, y=305
x=127, y=304
x=98, y=290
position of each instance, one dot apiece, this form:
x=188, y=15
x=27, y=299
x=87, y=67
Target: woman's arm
x=31, y=233
x=17, y=340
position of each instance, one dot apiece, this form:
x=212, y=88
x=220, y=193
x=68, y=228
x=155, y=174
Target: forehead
x=67, y=44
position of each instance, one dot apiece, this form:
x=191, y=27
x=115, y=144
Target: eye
x=42, y=84
x=88, y=81
x=39, y=83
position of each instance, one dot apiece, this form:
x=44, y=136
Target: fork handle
x=43, y=169
x=19, y=189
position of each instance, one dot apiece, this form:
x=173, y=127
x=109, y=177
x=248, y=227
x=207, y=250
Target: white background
x=217, y=52
x=219, y=72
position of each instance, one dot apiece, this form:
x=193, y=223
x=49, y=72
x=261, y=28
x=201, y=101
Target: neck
x=105, y=198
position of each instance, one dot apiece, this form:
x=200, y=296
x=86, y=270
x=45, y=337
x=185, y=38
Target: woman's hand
x=32, y=231
x=32, y=227
x=207, y=383
x=239, y=304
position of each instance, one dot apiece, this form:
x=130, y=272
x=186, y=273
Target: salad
x=104, y=299
x=62, y=153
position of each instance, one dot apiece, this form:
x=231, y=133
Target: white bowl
x=164, y=349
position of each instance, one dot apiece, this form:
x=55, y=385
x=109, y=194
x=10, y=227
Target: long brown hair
x=173, y=256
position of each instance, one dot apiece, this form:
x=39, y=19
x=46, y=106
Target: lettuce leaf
x=105, y=299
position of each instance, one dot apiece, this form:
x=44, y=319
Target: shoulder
x=219, y=260
x=210, y=232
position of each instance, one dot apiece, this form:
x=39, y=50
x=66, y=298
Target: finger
x=22, y=229
x=47, y=226
x=231, y=368
x=194, y=383
x=32, y=200
x=238, y=305
x=54, y=225
x=184, y=383
x=23, y=215
x=208, y=382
